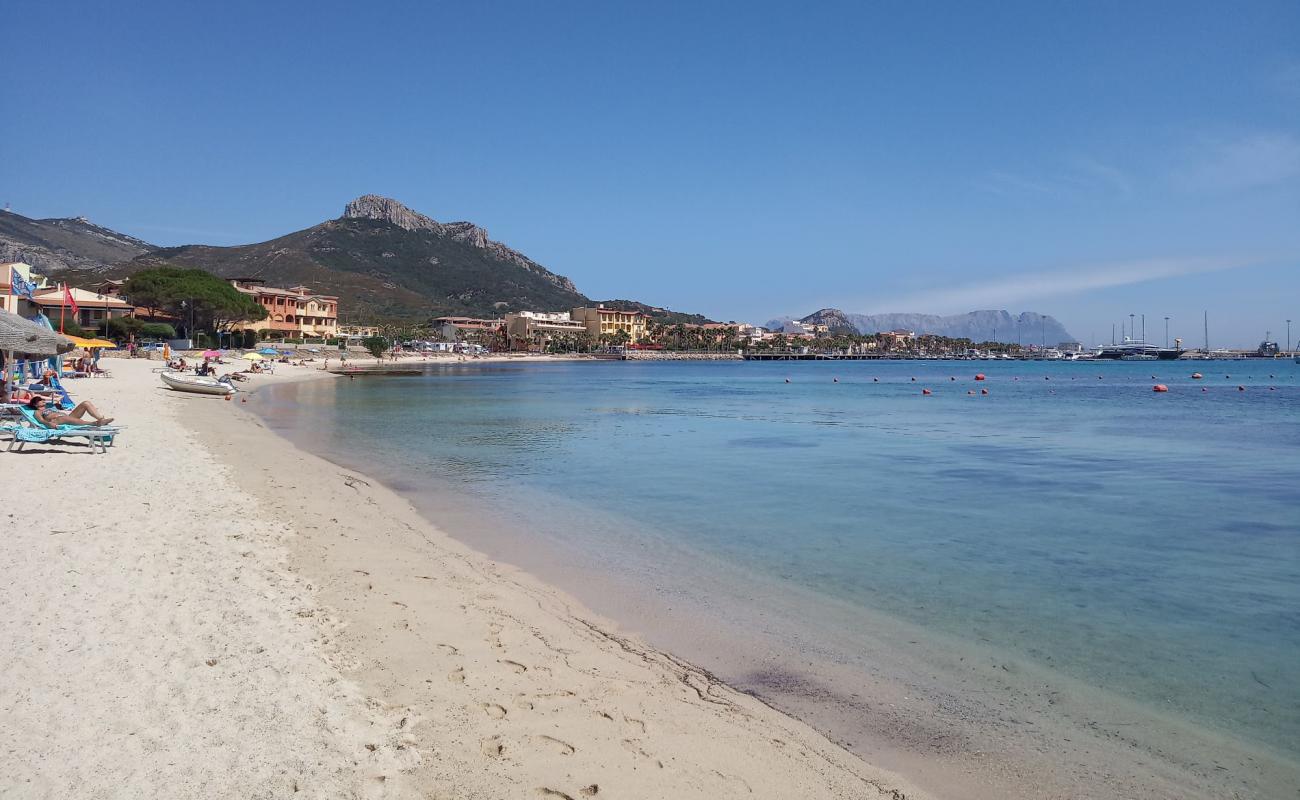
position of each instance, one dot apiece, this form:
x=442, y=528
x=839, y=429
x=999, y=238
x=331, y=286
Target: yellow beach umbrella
x=89, y=344
x=252, y=357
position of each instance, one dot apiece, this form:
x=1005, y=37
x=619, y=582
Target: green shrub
x=376, y=345
x=157, y=330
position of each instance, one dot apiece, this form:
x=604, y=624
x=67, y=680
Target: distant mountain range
x=384, y=260
x=979, y=326
x=61, y=245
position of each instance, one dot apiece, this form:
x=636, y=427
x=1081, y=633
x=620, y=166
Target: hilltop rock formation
x=386, y=209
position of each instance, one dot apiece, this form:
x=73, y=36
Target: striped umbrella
x=26, y=339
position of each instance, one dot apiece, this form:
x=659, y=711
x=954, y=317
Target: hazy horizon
x=751, y=163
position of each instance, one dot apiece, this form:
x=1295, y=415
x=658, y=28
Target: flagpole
x=63, y=302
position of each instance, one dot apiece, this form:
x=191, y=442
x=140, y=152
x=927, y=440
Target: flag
x=68, y=301
x=19, y=286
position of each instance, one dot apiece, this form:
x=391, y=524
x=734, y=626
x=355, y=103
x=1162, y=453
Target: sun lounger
x=98, y=436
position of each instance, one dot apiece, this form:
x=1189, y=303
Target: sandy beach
x=208, y=611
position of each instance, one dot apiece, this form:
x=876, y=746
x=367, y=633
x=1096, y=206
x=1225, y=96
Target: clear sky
x=744, y=160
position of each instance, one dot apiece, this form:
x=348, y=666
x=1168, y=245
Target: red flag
x=68, y=301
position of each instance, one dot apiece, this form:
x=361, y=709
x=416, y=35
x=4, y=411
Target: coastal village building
x=13, y=303
x=609, y=321
x=358, y=331
x=531, y=330
x=93, y=309
x=467, y=329
x=295, y=313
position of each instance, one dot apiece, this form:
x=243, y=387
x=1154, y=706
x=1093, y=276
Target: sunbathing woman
x=76, y=416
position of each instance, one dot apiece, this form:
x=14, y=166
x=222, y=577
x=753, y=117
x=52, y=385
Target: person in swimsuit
x=76, y=416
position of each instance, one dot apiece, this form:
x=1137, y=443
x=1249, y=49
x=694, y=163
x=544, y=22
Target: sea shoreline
x=900, y=741
x=706, y=739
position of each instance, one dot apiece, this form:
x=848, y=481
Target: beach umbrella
x=269, y=351
x=90, y=344
x=252, y=357
x=211, y=354
x=25, y=338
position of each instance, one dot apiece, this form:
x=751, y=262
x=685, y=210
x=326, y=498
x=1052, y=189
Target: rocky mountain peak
x=386, y=209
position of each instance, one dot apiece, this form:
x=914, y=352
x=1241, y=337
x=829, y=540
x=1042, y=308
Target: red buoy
x=926, y=391
x=979, y=377
x=1159, y=387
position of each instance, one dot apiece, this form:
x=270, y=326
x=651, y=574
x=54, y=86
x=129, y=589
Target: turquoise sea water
x=1148, y=544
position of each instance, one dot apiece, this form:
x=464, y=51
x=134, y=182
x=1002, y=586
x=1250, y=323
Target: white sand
x=223, y=615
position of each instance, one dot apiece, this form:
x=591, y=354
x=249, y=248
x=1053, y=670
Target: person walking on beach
x=76, y=416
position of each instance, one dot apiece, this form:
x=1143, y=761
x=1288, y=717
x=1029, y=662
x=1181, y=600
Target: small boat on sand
x=198, y=384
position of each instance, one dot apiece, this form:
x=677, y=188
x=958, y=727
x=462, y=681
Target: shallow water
x=1146, y=544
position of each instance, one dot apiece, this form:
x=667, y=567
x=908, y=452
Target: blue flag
x=21, y=287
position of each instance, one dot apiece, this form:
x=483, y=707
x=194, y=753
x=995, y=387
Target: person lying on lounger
x=76, y=416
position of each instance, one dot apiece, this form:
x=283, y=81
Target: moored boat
x=1132, y=350
x=197, y=384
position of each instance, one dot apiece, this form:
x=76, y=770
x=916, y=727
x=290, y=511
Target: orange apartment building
x=295, y=313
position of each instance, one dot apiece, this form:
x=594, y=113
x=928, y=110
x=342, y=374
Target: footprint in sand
x=553, y=794
x=457, y=675
x=493, y=747
x=514, y=665
x=494, y=711
x=563, y=748
x=450, y=650
x=521, y=701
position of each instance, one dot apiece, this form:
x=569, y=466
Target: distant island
x=1027, y=327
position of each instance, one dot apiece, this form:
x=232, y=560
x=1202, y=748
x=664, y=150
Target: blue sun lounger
x=98, y=436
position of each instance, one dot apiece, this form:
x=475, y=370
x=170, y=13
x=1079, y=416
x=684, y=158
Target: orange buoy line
x=1159, y=387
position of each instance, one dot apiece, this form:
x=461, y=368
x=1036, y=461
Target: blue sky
x=744, y=160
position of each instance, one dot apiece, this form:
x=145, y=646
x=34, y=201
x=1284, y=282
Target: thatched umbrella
x=25, y=339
